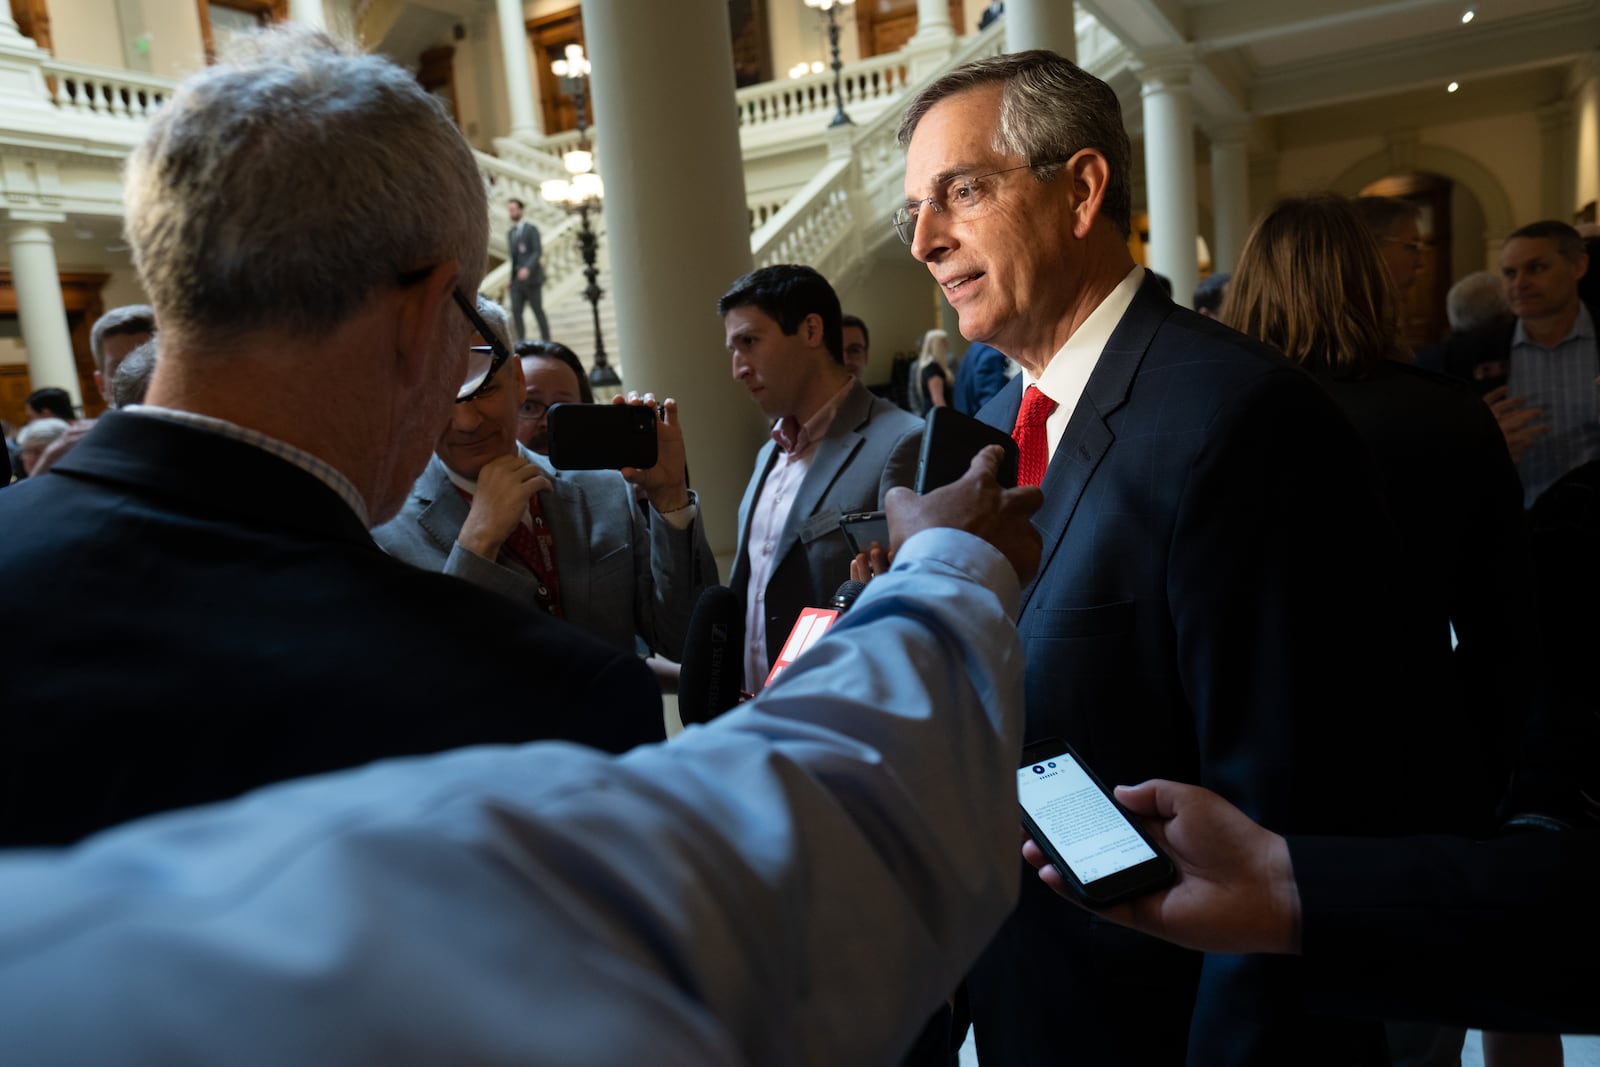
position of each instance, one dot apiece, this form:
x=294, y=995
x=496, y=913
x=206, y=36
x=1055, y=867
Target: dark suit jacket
x=1448, y=482
x=524, y=249
x=870, y=448
x=1205, y=521
x=209, y=618
x=1497, y=934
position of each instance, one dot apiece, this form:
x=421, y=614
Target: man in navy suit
x=1206, y=511
x=231, y=621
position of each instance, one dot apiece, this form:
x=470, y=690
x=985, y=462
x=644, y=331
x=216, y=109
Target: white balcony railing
x=872, y=80
x=113, y=94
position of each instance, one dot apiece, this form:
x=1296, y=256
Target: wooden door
x=886, y=25
x=549, y=35
x=80, y=293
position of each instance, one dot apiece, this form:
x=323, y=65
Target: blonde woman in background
x=930, y=378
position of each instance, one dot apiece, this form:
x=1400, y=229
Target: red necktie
x=537, y=548
x=1033, y=444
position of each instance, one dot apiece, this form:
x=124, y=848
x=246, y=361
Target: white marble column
x=1230, y=193
x=1169, y=170
x=676, y=225
x=933, y=22
x=1048, y=24
x=40, y=309
x=309, y=13
x=519, y=79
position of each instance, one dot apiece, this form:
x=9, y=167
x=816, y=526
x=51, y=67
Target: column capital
x=1554, y=116
x=1165, y=68
x=26, y=220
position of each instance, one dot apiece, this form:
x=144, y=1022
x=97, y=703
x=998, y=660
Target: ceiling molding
x=1536, y=41
x=1242, y=22
x=1141, y=24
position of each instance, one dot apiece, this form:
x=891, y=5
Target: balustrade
x=114, y=94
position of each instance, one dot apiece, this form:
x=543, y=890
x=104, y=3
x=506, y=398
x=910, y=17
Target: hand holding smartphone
x=602, y=436
x=1103, y=855
x=950, y=440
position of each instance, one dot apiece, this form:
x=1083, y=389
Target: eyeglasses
x=961, y=196
x=533, y=410
x=483, y=361
x=1417, y=247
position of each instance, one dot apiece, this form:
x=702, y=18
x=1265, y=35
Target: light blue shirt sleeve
x=800, y=882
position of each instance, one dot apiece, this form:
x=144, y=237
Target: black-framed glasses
x=483, y=361
x=960, y=195
x=533, y=410
x=1415, y=247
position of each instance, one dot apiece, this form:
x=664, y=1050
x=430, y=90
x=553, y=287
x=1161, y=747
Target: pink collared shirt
x=797, y=444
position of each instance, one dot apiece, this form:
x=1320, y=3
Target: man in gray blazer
x=524, y=250
x=574, y=544
x=836, y=450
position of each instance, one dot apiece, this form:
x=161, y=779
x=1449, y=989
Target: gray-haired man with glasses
x=244, y=626
x=1204, y=516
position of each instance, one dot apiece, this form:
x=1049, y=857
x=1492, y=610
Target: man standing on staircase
x=527, y=273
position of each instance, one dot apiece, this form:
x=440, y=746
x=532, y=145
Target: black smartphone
x=950, y=440
x=1099, y=849
x=586, y=437
x=864, y=527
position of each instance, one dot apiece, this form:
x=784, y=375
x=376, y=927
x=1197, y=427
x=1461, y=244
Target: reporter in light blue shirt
x=801, y=881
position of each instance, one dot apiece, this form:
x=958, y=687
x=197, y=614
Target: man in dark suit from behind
x=527, y=271
x=232, y=621
x=1204, y=560
x=835, y=450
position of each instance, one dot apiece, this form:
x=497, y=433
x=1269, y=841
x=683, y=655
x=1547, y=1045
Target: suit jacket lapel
x=444, y=511
x=1087, y=438
x=833, y=452
x=765, y=458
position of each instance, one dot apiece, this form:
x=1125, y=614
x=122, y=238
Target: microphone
x=712, y=670
x=846, y=594
x=812, y=624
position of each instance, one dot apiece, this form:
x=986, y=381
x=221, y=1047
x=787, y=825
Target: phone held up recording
x=1103, y=855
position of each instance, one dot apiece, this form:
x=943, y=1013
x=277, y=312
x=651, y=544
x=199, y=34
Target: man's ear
x=1087, y=174
x=811, y=329
x=419, y=312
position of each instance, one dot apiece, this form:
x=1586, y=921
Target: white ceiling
x=1274, y=57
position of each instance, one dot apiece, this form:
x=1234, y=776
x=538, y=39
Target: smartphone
x=1103, y=854
x=950, y=440
x=586, y=437
x=865, y=527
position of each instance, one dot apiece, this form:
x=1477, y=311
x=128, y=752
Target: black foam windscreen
x=712, y=671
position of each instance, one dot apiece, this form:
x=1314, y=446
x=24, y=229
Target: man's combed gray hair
x=498, y=320
x=1476, y=300
x=119, y=322
x=1050, y=109
x=284, y=186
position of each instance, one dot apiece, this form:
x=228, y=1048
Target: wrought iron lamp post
x=832, y=7
x=582, y=193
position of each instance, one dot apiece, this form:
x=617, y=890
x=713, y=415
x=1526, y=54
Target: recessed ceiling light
x=1452, y=87
x=1468, y=15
